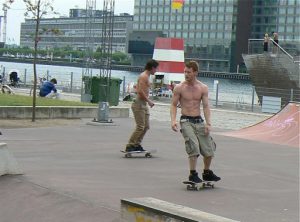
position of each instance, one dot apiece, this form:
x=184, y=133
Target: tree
x=36, y=10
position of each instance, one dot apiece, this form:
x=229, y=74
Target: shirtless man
x=190, y=93
x=140, y=109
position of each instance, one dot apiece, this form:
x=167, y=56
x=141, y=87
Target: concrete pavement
x=77, y=173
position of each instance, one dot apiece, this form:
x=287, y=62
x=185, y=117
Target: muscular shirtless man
x=140, y=109
x=190, y=93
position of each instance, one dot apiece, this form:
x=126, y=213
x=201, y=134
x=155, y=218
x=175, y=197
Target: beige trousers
x=141, y=115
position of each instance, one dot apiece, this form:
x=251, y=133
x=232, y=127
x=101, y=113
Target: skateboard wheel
x=127, y=155
x=148, y=155
x=212, y=186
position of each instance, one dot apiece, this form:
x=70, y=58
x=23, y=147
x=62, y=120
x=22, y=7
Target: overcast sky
x=15, y=15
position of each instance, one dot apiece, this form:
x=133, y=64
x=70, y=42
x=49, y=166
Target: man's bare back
x=190, y=97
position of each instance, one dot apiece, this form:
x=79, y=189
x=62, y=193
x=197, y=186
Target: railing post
x=124, y=87
x=217, y=94
x=47, y=75
x=3, y=73
x=25, y=75
x=292, y=95
x=71, y=83
x=252, y=103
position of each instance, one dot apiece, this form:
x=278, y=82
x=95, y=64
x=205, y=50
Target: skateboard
x=147, y=153
x=198, y=186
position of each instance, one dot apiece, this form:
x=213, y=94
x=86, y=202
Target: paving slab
x=78, y=171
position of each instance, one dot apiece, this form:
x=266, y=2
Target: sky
x=15, y=15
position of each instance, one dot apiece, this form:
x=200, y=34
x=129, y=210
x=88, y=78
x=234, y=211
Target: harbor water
x=227, y=90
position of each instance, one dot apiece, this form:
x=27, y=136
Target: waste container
x=98, y=90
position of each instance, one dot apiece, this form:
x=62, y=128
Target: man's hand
x=174, y=126
x=150, y=103
x=207, y=129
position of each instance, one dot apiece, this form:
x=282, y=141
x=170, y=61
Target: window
x=186, y=18
x=290, y=11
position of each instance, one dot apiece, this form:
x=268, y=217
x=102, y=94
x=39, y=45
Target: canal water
x=228, y=90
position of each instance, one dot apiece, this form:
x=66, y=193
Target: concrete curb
x=148, y=208
x=52, y=112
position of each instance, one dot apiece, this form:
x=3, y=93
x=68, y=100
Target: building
x=72, y=32
x=216, y=32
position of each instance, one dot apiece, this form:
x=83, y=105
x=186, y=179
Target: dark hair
x=151, y=64
x=192, y=64
x=53, y=81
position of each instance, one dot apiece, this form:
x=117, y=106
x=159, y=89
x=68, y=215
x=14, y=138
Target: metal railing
x=256, y=46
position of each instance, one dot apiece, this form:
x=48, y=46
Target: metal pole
x=292, y=95
x=25, y=73
x=252, y=105
x=217, y=94
x=47, y=75
x=71, y=83
x=124, y=87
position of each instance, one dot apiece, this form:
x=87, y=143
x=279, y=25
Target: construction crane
x=5, y=7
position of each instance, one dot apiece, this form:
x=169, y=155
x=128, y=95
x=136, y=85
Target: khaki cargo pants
x=141, y=114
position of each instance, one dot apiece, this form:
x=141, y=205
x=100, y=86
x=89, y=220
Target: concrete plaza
x=77, y=173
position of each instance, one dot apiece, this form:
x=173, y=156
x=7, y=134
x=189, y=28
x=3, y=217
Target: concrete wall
x=153, y=210
x=68, y=112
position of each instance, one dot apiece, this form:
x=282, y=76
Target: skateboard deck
x=147, y=153
x=198, y=186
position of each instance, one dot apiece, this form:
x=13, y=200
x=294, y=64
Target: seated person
x=13, y=78
x=48, y=89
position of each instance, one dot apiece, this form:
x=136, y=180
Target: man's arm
x=206, y=108
x=173, y=108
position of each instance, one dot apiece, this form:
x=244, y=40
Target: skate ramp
x=282, y=128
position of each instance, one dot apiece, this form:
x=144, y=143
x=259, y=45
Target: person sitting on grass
x=48, y=89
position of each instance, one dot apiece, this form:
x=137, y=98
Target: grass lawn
x=19, y=100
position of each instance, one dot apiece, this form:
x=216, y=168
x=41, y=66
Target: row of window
x=72, y=39
x=186, y=2
x=281, y=20
x=224, y=27
x=275, y=11
x=187, y=18
x=184, y=10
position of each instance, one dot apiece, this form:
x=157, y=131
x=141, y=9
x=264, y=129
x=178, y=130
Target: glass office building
x=281, y=16
x=207, y=26
x=216, y=32
x=72, y=31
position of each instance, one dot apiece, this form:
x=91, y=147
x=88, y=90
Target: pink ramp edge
x=282, y=128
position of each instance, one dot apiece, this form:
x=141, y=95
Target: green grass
x=19, y=100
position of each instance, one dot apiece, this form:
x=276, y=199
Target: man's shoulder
x=201, y=84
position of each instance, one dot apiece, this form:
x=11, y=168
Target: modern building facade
x=72, y=31
x=216, y=32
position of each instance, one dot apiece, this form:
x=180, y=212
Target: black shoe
x=130, y=149
x=140, y=148
x=209, y=175
x=194, y=178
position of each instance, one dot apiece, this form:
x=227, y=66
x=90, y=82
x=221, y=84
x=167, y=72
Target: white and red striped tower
x=169, y=52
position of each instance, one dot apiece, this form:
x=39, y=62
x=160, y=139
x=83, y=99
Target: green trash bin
x=98, y=91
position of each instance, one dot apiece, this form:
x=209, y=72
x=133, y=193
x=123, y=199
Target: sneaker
x=140, y=148
x=130, y=149
x=194, y=178
x=209, y=175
